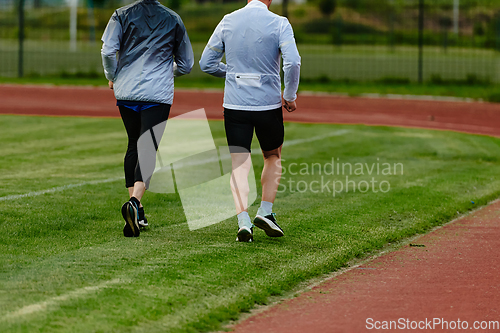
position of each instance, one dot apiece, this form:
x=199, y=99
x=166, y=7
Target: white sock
x=243, y=216
x=267, y=207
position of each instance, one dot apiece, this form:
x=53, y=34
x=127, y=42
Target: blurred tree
x=174, y=4
x=101, y=4
x=492, y=30
x=327, y=7
x=354, y=4
x=479, y=29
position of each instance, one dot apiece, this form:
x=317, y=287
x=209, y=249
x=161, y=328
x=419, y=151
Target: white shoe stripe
x=246, y=228
x=270, y=223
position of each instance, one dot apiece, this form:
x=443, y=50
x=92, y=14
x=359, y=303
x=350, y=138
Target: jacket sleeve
x=111, y=45
x=291, y=61
x=183, y=51
x=210, y=61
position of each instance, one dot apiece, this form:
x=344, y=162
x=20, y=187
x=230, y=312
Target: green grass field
x=66, y=267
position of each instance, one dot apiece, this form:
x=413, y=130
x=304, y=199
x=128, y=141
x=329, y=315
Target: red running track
x=456, y=276
x=480, y=118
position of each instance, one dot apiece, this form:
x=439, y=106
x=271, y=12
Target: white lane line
x=58, y=189
x=432, y=98
x=288, y=143
x=42, y=306
x=258, y=151
x=54, y=301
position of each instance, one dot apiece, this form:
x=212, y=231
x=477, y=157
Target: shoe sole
x=131, y=228
x=270, y=228
x=244, y=235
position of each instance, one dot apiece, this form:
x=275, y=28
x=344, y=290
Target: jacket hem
x=251, y=108
x=144, y=100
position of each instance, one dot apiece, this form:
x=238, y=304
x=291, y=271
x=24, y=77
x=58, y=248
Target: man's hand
x=110, y=85
x=290, y=106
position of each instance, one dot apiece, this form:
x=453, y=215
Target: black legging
x=136, y=123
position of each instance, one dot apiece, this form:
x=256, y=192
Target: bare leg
x=239, y=180
x=137, y=191
x=271, y=174
x=270, y=179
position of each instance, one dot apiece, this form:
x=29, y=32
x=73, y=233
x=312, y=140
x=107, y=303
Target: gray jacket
x=253, y=39
x=140, y=44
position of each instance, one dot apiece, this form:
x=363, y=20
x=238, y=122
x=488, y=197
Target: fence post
x=498, y=32
x=20, y=69
x=337, y=30
x=73, y=16
x=497, y=18
x=421, y=41
x=391, y=29
x=456, y=16
x=91, y=18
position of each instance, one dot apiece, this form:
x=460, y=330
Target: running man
x=252, y=38
x=144, y=45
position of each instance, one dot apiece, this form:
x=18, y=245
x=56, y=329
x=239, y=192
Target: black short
x=268, y=126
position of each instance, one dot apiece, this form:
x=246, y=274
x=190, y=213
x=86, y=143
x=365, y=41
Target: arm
x=291, y=65
x=111, y=45
x=210, y=61
x=183, y=52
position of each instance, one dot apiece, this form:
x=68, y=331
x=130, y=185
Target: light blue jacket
x=140, y=44
x=252, y=39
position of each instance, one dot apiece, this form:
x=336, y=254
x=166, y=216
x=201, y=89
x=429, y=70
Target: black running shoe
x=268, y=224
x=142, y=220
x=130, y=215
x=245, y=234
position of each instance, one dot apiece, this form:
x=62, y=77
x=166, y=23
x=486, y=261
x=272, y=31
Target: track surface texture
x=448, y=275
x=480, y=118
x=452, y=276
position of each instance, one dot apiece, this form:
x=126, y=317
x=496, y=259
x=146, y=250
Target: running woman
x=253, y=38
x=145, y=45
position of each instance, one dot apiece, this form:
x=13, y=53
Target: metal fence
x=357, y=40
